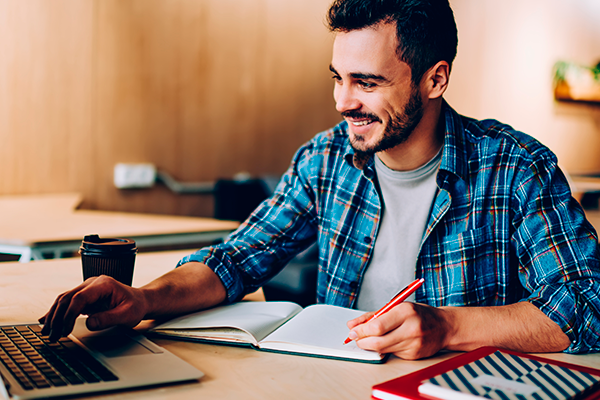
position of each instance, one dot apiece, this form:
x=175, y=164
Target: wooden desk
x=47, y=226
x=26, y=292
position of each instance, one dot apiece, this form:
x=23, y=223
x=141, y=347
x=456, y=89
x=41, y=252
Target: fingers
x=379, y=326
x=93, y=296
x=410, y=331
x=53, y=318
x=86, y=301
x=42, y=319
x=395, y=341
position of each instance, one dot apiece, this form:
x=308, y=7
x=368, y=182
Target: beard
x=399, y=128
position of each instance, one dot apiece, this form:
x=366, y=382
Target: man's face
x=373, y=89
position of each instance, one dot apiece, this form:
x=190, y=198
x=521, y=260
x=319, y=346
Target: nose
x=345, y=98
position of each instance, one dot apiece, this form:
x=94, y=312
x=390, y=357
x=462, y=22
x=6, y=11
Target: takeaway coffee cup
x=108, y=256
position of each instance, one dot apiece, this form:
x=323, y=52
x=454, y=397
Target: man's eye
x=336, y=78
x=366, y=85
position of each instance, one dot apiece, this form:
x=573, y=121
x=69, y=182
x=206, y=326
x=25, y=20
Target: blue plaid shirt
x=503, y=228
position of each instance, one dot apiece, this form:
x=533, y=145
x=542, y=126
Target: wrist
x=454, y=328
x=147, y=301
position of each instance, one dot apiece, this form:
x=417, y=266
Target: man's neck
x=422, y=145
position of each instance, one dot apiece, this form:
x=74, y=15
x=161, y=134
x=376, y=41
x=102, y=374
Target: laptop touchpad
x=114, y=344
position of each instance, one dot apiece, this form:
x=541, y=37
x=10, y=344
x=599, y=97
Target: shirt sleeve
x=558, y=254
x=273, y=234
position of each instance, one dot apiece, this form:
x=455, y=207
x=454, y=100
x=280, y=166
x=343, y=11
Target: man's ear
x=435, y=80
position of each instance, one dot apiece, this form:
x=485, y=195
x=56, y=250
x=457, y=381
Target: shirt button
x=367, y=240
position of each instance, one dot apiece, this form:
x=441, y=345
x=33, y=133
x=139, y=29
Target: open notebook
x=284, y=327
x=85, y=362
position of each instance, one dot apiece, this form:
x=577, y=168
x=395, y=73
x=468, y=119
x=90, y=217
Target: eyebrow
x=362, y=76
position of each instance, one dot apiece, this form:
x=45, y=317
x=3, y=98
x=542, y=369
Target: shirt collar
x=454, y=158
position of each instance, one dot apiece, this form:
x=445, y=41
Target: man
x=403, y=188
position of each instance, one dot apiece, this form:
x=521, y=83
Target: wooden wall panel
x=45, y=95
x=202, y=88
x=207, y=89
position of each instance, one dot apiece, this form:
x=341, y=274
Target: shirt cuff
x=222, y=266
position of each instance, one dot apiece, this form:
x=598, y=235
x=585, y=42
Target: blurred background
x=206, y=89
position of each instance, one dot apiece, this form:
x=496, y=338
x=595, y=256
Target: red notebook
x=490, y=369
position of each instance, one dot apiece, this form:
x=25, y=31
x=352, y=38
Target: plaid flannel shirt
x=503, y=228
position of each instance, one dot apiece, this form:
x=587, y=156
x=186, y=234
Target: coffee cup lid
x=98, y=243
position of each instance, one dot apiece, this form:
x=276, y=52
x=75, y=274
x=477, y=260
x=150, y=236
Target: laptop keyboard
x=37, y=363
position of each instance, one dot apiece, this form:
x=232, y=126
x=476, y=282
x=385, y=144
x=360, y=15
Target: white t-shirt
x=407, y=197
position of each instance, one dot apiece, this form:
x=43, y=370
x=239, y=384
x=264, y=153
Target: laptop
x=32, y=367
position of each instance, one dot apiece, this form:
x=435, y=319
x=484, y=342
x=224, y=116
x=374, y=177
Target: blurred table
x=48, y=226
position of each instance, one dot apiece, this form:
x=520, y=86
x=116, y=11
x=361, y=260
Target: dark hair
x=425, y=29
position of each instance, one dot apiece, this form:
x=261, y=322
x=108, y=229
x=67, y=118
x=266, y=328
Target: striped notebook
x=504, y=376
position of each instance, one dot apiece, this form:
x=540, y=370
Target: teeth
x=361, y=123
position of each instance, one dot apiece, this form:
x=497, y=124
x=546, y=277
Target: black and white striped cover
x=503, y=376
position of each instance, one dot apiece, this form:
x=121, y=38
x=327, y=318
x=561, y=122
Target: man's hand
x=409, y=330
x=106, y=301
x=413, y=330
x=191, y=287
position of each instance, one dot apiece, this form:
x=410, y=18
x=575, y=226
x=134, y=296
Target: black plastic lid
x=96, y=244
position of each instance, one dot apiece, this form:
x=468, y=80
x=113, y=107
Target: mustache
x=359, y=115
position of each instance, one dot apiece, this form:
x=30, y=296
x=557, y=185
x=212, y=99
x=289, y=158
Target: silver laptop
x=85, y=362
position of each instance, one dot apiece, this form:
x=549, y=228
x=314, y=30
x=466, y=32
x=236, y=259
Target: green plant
x=564, y=69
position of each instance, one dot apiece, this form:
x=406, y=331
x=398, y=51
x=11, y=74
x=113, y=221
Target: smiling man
x=403, y=188
x=378, y=99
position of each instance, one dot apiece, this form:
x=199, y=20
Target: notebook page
x=257, y=318
x=318, y=329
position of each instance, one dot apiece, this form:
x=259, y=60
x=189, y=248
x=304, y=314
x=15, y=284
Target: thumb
x=94, y=323
x=103, y=320
x=123, y=314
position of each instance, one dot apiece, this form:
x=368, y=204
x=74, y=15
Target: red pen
x=397, y=299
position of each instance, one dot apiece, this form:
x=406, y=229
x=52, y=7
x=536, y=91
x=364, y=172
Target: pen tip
x=348, y=340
